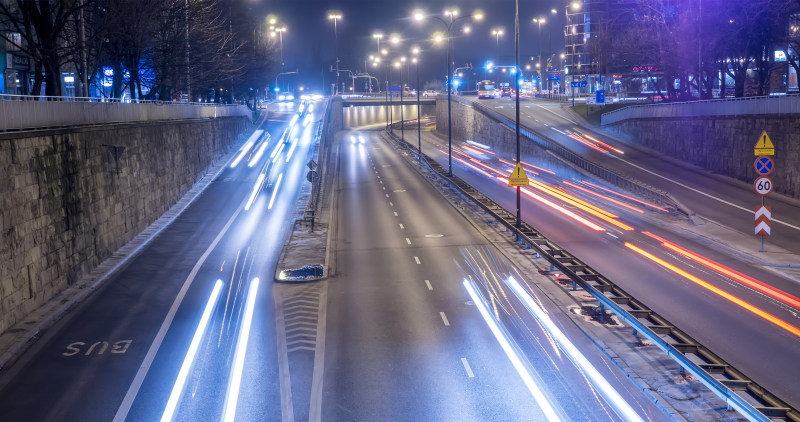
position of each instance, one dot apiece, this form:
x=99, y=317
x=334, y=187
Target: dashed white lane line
x=402, y=227
x=384, y=188
x=428, y=283
x=395, y=214
x=444, y=319
x=615, y=237
x=390, y=203
x=408, y=241
x=416, y=258
x=467, y=367
x=387, y=195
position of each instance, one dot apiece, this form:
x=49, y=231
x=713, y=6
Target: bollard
x=602, y=310
x=552, y=267
x=574, y=285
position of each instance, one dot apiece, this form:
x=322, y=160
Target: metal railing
x=783, y=104
x=737, y=390
x=21, y=112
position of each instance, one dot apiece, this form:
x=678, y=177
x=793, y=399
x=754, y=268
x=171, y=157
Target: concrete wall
x=71, y=197
x=723, y=144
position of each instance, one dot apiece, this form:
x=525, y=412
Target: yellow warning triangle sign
x=764, y=145
x=518, y=177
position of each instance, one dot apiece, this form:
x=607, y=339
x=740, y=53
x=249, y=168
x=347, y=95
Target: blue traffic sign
x=600, y=96
x=764, y=165
x=578, y=84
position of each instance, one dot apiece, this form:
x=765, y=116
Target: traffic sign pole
x=764, y=165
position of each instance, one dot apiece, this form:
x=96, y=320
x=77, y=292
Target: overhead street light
x=335, y=16
x=449, y=21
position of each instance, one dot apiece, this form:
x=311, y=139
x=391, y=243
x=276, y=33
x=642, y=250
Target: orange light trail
x=620, y=203
x=588, y=144
x=603, y=144
x=478, y=162
x=756, y=284
x=702, y=283
x=591, y=209
x=479, y=149
x=558, y=208
x=526, y=164
x=626, y=196
x=473, y=167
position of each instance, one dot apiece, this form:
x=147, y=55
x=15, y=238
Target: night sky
x=309, y=46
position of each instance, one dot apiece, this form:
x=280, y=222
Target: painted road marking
x=402, y=227
x=395, y=214
x=416, y=258
x=408, y=241
x=467, y=367
x=615, y=237
x=387, y=195
x=428, y=283
x=749, y=211
x=391, y=204
x=444, y=319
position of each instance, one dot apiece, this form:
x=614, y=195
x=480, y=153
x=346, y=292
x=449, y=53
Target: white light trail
x=235, y=380
x=611, y=394
x=177, y=389
x=259, y=153
x=294, y=120
x=277, y=152
x=527, y=378
x=249, y=144
x=291, y=150
x=256, y=189
x=275, y=191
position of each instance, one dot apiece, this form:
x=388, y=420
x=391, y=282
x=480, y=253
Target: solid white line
x=408, y=241
x=133, y=390
x=444, y=319
x=467, y=367
x=428, y=283
x=748, y=210
x=416, y=258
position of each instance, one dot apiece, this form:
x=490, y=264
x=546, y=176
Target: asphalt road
x=119, y=354
x=404, y=339
x=729, y=202
x=757, y=345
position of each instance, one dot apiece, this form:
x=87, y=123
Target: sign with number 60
x=763, y=185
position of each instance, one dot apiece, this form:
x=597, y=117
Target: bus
x=485, y=89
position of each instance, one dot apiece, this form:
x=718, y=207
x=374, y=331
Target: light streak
x=625, y=196
x=529, y=165
x=291, y=150
x=275, y=191
x=756, y=284
x=471, y=166
x=603, y=144
x=256, y=189
x=235, y=380
x=476, y=150
x=516, y=361
x=558, y=208
x=277, y=153
x=177, y=389
x=588, y=144
x=725, y=295
x=623, y=408
x=259, y=153
x=612, y=200
x=490, y=168
x=249, y=144
x=294, y=120
x=478, y=145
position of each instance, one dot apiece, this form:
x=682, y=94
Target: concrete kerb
x=17, y=339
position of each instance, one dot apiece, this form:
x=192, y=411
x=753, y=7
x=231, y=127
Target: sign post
x=763, y=185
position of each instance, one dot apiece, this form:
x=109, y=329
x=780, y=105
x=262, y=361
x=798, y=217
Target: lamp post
x=280, y=32
x=516, y=96
x=377, y=36
x=497, y=33
x=399, y=65
x=452, y=20
x=335, y=16
x=415, y=60
x=540, y=21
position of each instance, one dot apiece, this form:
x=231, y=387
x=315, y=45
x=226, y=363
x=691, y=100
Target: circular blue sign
x=764, y=165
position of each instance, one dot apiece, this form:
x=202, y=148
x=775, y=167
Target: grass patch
x=592, y=113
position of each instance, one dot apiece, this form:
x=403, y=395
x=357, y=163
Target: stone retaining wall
x=723, y=144
x=71, y=197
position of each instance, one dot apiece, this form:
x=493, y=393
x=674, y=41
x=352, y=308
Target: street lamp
x=377, y=36
x=415, y=60
x=540, y=21
x=335, y=16
x=451, y=19
x=497, y=32
x=399, y=65
x=280, y=32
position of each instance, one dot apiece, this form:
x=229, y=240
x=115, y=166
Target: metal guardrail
x=719, y=376
x=619, y=180
x=783, y=104
x=31, y=112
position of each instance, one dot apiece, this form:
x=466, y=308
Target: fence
x=29, y=112
x=784, y=104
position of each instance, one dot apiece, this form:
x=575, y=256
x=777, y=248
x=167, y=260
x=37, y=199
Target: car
x=430, y=93
x=505, y=92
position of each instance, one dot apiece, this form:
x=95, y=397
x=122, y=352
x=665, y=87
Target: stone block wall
x=70, y=197
x=723, y=144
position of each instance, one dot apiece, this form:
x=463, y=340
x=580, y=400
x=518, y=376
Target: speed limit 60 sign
x=763, y=185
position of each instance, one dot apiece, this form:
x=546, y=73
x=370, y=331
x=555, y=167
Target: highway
x=406, y=341
x=125, y=353
x=747, y=314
